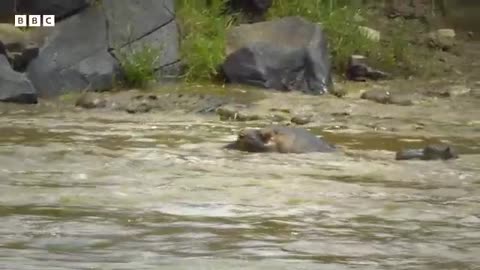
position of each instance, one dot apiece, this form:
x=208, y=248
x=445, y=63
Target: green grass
x=138, y=65
x=344, y=36
x=203, y=35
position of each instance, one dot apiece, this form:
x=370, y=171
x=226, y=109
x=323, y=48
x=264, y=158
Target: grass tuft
x=138, y=65
x=203, y=32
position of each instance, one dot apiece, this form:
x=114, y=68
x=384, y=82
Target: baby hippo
x=279, y=139
x=430, y=152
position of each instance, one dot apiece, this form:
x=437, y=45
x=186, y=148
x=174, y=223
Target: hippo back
x=301, y=141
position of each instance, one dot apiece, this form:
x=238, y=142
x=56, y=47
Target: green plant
x=203, y=30
x=138, y=64
x=203, y=33
x=344, y=35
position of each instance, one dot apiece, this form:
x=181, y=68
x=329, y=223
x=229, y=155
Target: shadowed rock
x=430, y=152
x=253, y=10
x=359, y=70
x=285, y=54
x=279, y=139
x=14, y=86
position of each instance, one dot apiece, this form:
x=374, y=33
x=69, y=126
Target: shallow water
x=96, y=191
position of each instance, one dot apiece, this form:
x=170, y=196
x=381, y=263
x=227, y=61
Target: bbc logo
x=34, y=20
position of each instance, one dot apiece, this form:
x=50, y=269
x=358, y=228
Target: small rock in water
x=379, y=96
x=301, y=119
x=430, y=152
x=91, y=100
x=236, y=113
x=386, y=97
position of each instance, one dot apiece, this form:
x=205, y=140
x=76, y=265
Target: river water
x=90, y=190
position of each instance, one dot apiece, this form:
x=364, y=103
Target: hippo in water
x=430, y=152
x=279, y=139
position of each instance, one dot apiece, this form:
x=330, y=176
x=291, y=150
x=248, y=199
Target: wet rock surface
x=430, y=152
x=387, y=97
x=137, y=101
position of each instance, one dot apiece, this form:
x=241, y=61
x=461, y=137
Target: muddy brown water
x=100, y=190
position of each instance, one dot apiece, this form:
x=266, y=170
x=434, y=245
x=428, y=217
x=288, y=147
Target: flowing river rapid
x=101, y=190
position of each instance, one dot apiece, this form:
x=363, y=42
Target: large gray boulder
x=285, y=54
x=14, y=86
x=134, y=24
x=75, y=56
x=82, y=51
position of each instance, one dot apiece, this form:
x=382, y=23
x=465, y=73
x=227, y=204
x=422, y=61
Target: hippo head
x=253, y=140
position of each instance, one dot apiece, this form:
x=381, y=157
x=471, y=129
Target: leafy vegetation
x=203, y=32
x=204, y=29
x=138, y=65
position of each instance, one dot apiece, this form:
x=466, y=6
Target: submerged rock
x=285, y=54
x=279, y=139
x=430, y=152
x=301, y=119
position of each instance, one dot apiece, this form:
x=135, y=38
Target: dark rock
x=14, y=86
x=7, y=11
x=279, y=139
x=60, y=8
x=285, y=54
x=253, y=10
x=3, y=50
x=76, y=57
x=430, y=152
x=358, y=70
x=442, y=93
x=301, y=119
